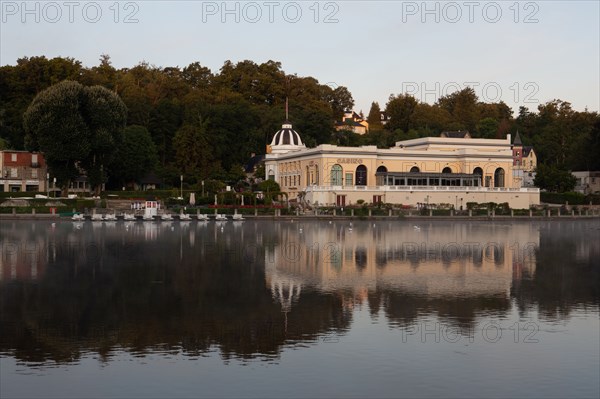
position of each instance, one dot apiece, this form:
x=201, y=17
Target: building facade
x=588, y=182
x=524, y=163
x=428, y=170
x=22, y=171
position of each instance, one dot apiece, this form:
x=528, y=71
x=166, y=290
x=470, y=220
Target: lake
x=302, y=308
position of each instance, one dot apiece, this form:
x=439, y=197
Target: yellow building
x=352, y=122
x=524, y=163
x=430, y=170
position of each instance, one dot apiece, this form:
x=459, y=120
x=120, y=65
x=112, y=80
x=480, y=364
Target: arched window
x=380, y=178
x=446, y=170
x=415, y=169
x=478, y=171
x=336, y=175
x=361, y=176
x=271, y=175
x=499, y=178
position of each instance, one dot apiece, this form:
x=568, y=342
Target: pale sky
x=524, y=53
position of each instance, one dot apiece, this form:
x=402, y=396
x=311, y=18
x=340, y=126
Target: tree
x=374, y=117
x=463, y=106
x=269, y=186
x=106, y=116
x=76, y=127
x=551, y=178
x=135, y=157
x=400, y=110
x=193, y=154
x=341, y=101
x=487, y=128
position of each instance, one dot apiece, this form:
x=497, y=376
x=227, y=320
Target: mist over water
x=300, y=308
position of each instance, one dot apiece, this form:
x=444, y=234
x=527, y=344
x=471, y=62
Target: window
x=447, y=170
x=348, y=179
x=499, y=178
x=479, y=172
x=336, y=175
x=34, y=173
x=308, y=176
x=34, y=158
x=13, y=157
x=361, y=175
x=379, y=177
x=415, y=169
x=13, y=171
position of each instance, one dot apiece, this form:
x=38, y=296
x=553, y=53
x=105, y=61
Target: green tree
x=463, y=106
x=341, y=100
x=554, y=179
x=400, y=110
x=269, y=186
x=76, y=127
x=487, y=128
x=374, y=117
x=193, y=154
x=135, y=157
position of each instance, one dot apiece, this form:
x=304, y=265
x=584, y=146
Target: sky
x=522, y=52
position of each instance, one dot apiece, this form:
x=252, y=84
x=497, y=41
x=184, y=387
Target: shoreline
x=38, y=217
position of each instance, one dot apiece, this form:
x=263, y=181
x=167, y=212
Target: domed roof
x=286, y=136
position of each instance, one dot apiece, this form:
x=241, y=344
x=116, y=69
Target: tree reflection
x=249, y=291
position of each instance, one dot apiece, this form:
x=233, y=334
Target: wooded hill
x=206, y=124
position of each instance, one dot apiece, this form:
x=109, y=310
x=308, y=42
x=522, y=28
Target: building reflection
x=433, y=260
x=249, y=289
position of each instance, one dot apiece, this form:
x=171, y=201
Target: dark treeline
x=203, y=124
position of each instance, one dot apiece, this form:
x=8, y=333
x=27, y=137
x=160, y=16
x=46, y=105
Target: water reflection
x=249, y=289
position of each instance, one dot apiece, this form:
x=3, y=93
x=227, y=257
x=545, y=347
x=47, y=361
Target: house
x=524, y=163
x=23, y=171
x=587, y=182
x=352, y=122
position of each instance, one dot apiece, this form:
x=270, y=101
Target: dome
x=286, y=136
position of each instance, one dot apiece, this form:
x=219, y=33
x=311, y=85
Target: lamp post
x=47, y=185
x=202, y=188
x=54, y=187
x=181, y=178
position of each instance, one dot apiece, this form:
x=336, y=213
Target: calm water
x=265, y=309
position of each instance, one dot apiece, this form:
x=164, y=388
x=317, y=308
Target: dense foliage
x=232, y=113
x=206, y=125
x=77, y=128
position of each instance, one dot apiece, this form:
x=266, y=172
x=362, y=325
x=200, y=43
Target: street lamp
x=54, y=187
x=181, y=178
x=202, y=188
x=47, y=185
